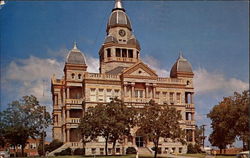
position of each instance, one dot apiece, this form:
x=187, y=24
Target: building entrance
x=139, y=141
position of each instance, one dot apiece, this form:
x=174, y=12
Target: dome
x=75, y=56
x=181, y=65
x=134, y=41
x=110, y=39
x=118, y=17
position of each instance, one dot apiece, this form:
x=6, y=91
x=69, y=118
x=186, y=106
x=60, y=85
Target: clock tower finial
x=118, y=4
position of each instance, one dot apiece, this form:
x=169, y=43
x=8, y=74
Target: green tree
x=24, y=119
x=199, y=136
x=230, y=121
x=122, y=120
x=111, y=121
x=158, y=121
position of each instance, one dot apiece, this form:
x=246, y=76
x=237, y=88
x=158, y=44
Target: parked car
x=4, y=154
x=244, y=154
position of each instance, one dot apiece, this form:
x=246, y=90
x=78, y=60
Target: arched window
x=73, y=75
x=79, y=76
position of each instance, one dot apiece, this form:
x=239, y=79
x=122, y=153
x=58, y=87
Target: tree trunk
x=156, y=147
x=23, y=150
x=106, y=145
x=83, y=147
x=114, y=142
x=14, y=150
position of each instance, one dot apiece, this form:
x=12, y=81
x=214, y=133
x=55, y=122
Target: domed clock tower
x=120, y=49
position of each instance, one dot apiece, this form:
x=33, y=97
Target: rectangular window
x=118, y=150
x=92, y=94
x=118, y=52
x=108, y=52
x=124, y=52
x=171, y=97
x=137, y=54
x=101, y=151
x=117, y=93
x=178, y=97
x=180, y=150
x=109, y=151
x=101, y=95
x=93, y=151
x=130, y=53
x=139, y=93
x=157, y=95
x=164, y=94
x=109, y=95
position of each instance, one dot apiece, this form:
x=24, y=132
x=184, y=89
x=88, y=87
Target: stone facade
x=124, y=75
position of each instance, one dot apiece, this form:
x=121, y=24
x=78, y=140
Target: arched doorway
x=139, y=139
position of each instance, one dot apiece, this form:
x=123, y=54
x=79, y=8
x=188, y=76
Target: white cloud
x=206, y=82
x=31, y=76
x=155, y=65
x=93, y=64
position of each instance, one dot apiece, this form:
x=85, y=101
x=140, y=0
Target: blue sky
x=213, y=36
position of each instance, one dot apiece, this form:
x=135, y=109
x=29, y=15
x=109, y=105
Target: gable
x=139, y=69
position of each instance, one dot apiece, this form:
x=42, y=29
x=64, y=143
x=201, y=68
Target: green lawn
x=203, y=155
x=125, y=156
x=194, y=155
x=225, y=156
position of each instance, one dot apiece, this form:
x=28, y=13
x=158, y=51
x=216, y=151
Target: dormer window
x=79, y=76
x=73, y=75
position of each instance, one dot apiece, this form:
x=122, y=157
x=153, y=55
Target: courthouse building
x=122, y=74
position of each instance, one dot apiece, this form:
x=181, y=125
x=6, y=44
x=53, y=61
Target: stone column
x=125, y=91
x=192, y=116
x=67, y=93
x=56, y=101
x=191, y=98
x=146, y=91
x=134, y=140
x=68, y=135
x=68, y=116
x=64, y=96
x=64, y=134
x=133, y=90
x=193, y=136
x=153, y=92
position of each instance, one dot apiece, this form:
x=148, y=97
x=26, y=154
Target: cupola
x=118, y=17
x=75, y=56
x=181, y=68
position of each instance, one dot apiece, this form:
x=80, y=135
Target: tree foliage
x=23, y=119
x=160, y=121
x=112, y=121
x=230, y=120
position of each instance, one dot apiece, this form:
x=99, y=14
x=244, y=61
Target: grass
x=194, y=155
x=225, y=156
x=203, y=155
x=133, y=156
x=123, y=156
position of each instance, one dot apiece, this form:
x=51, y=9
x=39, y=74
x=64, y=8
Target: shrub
x=193, y=149
x=67, y=151
x=79, y=151
x=130, y=150
x=54, y=145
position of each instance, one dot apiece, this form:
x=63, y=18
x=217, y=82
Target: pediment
x=139, y=69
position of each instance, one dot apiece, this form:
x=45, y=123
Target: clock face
x=122, y=32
